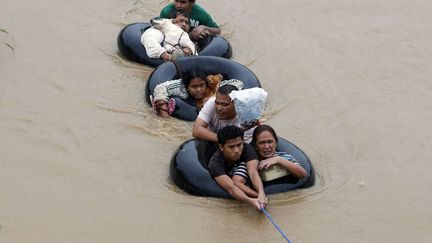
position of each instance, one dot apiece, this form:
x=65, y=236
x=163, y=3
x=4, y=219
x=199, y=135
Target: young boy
x=234, y=164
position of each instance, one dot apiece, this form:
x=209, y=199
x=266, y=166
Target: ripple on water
x=55, y=137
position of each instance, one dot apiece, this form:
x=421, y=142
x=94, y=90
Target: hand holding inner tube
x=166, y=56
x=199, y=32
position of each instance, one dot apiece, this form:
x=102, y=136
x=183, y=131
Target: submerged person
x=201, y=22
x=195, y=88
x=265, y=142
x=234, y=165
x=153, y=39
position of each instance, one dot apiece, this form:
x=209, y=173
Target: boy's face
x=184, y=5
x=182, y=21
x=232, y=149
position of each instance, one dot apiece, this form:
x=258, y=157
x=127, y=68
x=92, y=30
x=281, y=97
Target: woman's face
x=266, y=145
x=197, y=88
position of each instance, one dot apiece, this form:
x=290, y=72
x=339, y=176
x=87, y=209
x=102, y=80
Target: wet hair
x=191, y=1
x=226, y=89
x=187, y=77
x=262, y=128
x=229, y=132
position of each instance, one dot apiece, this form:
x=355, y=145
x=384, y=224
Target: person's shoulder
x=169, y=6
x=217, y=154
x=216, y=158
x=208, y=111
x=216, y=164
x=212, y=100
x=165, y=12
x=210, y=103
x=198, y=8
x=248, y=148
x=249, y=152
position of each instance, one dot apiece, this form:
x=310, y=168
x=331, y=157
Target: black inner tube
x=130, y=46
x=189, y=170
x=207, y=64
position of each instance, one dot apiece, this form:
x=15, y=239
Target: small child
x=195, y=88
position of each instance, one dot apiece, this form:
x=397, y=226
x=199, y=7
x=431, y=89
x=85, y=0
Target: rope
x=274, y=223
x=178, y=68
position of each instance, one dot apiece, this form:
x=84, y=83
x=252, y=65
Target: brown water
x=84, y=159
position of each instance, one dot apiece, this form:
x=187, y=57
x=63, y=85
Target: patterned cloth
x=234, y=82
x=167, y=89
x=287, y=156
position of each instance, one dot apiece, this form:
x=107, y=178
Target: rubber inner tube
x=207, y=64
x=188, y=170
x=130, y=46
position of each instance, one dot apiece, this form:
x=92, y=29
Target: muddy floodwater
x=83, y=158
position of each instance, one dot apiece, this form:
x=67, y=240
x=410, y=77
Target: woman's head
x=265, y=140
x=195, y=83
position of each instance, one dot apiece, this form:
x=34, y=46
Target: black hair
x=226, y=89
x=262, y=128
x=229, y=132
x=188, y=76
x=191, y=1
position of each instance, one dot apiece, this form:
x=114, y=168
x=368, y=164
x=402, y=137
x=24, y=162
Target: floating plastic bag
x=249, y=105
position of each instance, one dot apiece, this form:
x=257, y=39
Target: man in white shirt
x=218, y=112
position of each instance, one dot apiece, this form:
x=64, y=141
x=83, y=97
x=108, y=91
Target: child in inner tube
x=195, y=88
x=234, y=166
x=152, y=39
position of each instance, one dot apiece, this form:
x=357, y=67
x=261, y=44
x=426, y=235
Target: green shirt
x=197, y=16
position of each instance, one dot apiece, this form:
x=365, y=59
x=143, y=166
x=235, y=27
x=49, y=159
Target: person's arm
x=151, y=40
x=228, y=185
x=240, y=182
x=293, y=168
x=202, y=31
x=206, y=25
x=165, y=56
x=209, y=30
x=200, y=130
x=252, y=168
